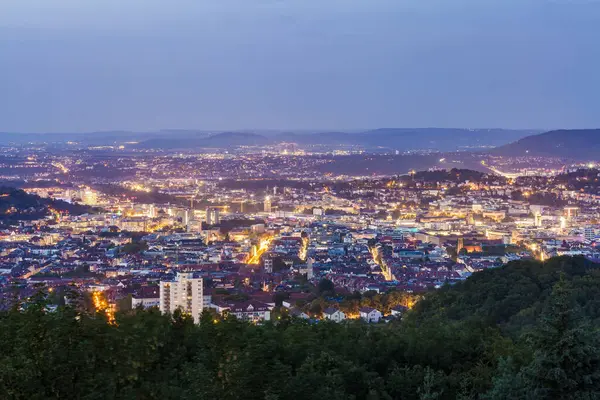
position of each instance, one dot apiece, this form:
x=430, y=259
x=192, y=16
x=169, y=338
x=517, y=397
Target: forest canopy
x=528, y=330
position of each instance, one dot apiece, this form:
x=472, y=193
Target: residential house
x=297, y=313
x=370, y=314
x=146, y=297
x=253, y=311
x=398, y=311
x=334, y=314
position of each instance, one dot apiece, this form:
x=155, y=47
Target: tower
x=538, y=219
x=212, y=216
x=460, y=245
x=267, y=204
x=268, y=264
x=563, y=222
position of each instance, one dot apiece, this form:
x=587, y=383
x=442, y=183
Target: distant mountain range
x=402, y=139
x=102, y=138
x=219, y=140
x=580, y=144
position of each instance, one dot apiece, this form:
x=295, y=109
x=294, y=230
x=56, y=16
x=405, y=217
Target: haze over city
x=76, y=66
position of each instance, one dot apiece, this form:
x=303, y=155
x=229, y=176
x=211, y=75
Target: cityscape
x=262, y=228
x=305, y=200
x=291, y=237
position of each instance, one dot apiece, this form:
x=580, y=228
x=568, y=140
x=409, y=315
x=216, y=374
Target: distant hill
x=16, y=204
x=322, y=138
x=101, y=138
x=220, y=140
x=88, y=138
x=385, y=139
x=227, y=139
x=440, y=139
x=581, y=144
x=403, y=139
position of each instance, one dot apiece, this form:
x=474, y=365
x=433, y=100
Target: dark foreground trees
x=527, y=330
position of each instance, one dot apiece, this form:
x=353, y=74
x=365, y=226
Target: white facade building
x=144, y=302
x=213, y=216
x=185, y=293
x=333, y=314
x=370, y=314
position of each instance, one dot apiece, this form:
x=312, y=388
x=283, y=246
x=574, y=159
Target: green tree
x=566, y=361
x=325, y=286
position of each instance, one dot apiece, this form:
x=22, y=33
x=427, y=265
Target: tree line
x=528, y=330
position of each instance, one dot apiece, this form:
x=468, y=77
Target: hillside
x=583, y=144
x=16, y=204
x=234, y=139
x=178, y=140
x=524, y=331
x=440, y=139
x=402, y=139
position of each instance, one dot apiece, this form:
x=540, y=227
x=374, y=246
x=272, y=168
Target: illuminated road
x=385, y=270
x=498, y=172
x=102, y=305
x=264, y=246
x=304, y=249
x=61, y=167
x=537, y=251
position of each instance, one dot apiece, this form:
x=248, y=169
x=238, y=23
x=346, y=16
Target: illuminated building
x=89, y=197
x=460, y=245
x=589, y=233
x=571, y=212
x=212, y=216
x=267, y=204
x=538, y=219
x=563, y=223
x=186, y=217
x=306, y=269
x=147, y=297
x=184, y=293
x=268, y=264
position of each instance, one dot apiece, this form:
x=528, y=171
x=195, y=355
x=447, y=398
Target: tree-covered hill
x=578, y=144
x=513, y=297
x=524, y=331
x=16, y=204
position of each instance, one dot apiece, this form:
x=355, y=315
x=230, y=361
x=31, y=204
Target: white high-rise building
x=186, y=217
x=563, y=222
x=267, y=204
x=212, y=216
x=185, y=293
x=537, y=219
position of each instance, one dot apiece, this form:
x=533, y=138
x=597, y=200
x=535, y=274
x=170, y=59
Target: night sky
x=86, y=65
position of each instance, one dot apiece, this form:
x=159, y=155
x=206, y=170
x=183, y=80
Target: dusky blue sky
x=84, y=65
